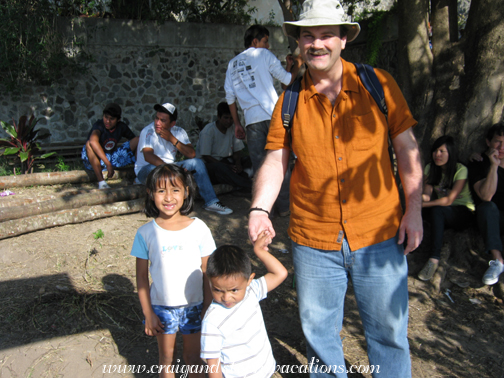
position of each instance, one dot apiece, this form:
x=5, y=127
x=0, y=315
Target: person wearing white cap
x=346, y=216
x=159, y=143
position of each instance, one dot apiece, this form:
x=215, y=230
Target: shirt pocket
x=363, y=131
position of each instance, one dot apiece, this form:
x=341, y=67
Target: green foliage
x=61, y=165
x=31, y=48
x=374, y=37
x=23, y=141
x=98, y=234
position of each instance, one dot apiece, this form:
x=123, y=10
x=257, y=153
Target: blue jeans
x=257, y=134
x=197, y=167
x=490, y=225
x=379, y=276
x=444, y=217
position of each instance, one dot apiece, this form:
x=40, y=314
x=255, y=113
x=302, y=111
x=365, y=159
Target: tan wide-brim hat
x=321, y=12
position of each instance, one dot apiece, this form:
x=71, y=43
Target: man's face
x=497, y=143
x=162, y=122
x=110, y=122
x=263, y=43
x=225, y=121
x=321, y=46
x=230, y=290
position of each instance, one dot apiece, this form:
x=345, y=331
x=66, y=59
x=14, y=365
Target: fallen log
x=29, y=224
x=73, y=201
x=54, y=178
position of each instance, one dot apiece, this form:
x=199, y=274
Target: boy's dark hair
x=255, y=31
x=223, y=108
x=229, y=260
x=169, y=173
x=113, y=110
x=436, y=172
x=496, y=129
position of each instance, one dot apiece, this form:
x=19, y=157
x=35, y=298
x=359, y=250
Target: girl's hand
x=153, y=325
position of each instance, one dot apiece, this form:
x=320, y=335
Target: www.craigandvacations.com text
x=184, y=370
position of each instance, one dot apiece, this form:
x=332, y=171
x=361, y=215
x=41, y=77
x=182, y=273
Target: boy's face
x=110, y=122
x=262, y=43
x=229, y=290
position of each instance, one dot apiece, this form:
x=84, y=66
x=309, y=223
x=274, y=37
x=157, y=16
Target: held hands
x=153, y=325
x=259, y=221
x=263, y=240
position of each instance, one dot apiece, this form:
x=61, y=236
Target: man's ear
x=487, y=142
x=254, y=43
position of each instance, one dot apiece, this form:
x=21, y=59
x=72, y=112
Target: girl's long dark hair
x=158, y=178
x=436, y=172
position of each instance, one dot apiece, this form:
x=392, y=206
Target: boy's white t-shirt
x=163, y=149
x=175, y=261
x=237, y=336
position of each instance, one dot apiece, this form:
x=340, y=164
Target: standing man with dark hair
x=102, y=151
x=159, y=143
x=487, y=180
x=346, y=216
x=249, y=79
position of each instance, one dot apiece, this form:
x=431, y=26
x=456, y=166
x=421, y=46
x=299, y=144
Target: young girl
x=446, y=198
x=178, y=248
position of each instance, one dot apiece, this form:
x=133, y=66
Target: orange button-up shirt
x=342, y=183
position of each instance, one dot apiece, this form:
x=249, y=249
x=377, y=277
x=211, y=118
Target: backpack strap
x=373, y=85
x=289, y=106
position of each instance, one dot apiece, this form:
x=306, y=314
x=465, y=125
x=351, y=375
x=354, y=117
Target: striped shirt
x=237, y=336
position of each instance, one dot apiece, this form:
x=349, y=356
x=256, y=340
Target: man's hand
x=493, y=155
x=411, y=225
x=239, y=131
x=258, y=222
x=167, y=135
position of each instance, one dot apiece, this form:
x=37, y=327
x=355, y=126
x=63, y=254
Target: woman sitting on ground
x=446, y=198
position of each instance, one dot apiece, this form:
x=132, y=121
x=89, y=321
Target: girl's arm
x=207, y=293
x=214, y=370
x=276, y=271
x=153, y=325
x=427, y=193
x=452, y=195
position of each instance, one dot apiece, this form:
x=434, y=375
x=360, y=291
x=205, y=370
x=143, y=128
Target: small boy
x=233, y=337
x=101, y=150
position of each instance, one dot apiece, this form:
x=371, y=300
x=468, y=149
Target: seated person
x=101, y=150
x=220, y=150
x=487, y=180
x=447, y=201
x=159, y=143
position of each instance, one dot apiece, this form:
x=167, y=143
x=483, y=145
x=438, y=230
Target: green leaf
x=9, y=129
x=23, y=156
x=11, y=150
x=46, y=155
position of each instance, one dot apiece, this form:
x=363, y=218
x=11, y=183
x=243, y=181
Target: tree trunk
x=54, y=178
x=86, y=213
x=73, y=201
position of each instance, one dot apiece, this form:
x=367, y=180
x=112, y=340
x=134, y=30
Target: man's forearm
x=269, y=179
x=487, y=187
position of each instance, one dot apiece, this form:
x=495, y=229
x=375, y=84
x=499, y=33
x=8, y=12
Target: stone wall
x=138, y=64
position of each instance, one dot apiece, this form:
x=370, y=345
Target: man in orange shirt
x=346, y=216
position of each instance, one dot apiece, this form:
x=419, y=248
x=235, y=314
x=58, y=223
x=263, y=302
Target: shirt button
x=340, y=158
x=344, y=221
x=344, y=201
x=334, y=115
x=337, y=136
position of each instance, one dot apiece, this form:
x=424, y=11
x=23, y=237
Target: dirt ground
x=69, y=307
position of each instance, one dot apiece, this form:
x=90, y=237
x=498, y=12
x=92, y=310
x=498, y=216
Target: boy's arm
x=239, y=130
x=153, y=325
x=214, y=370
x=94, y=142
x=276, y=271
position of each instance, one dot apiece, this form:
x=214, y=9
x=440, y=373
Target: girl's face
x=169, y=199
x=441, y=156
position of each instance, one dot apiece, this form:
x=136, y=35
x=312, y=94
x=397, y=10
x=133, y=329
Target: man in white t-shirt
x=159, y=143
x=221, y=151
x=249, y=79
